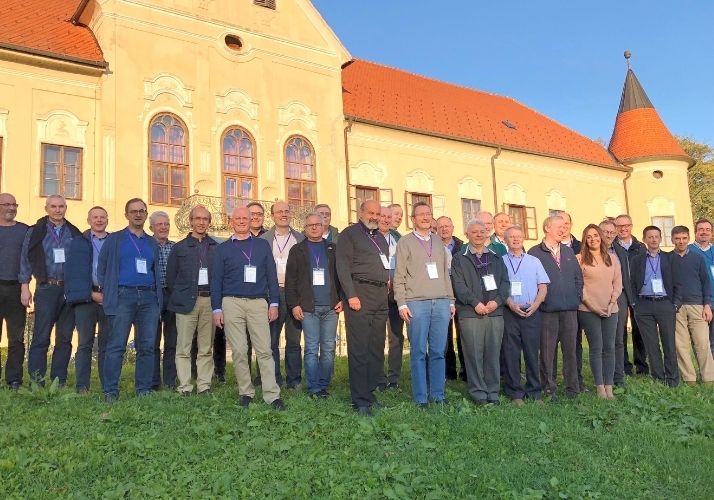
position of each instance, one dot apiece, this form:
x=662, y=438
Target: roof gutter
x=481, y=143
x=55, y=56
x=493, y=178
x=624, y=186
x=347, y=130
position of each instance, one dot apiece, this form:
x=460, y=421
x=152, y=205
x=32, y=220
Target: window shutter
x=353, y=202
x=408, y=209
x=385, y=197
x=532, y=223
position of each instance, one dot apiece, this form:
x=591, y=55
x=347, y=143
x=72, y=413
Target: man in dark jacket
x=656, y=303
x=560, y=307
x=188, y=274
x=44, y=254
x=632, y=247
x=481, y=287
x=312, y=294
x=83, y=292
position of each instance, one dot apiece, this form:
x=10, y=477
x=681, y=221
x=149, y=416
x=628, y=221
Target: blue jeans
x=320, y=329
x=140, y=308
x=428, y=329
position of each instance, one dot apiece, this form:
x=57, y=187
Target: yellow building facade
x=242, y=99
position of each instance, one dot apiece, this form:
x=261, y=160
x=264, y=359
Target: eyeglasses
x=138, y=212
x=622, y=226
x=9, y=205
x=317, y=224
x=256, y=214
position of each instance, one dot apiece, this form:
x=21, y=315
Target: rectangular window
x=268, y=4
x=469, y=210
x=526, y=218
x=360, y=194
x=61, y=171
x=410, y=199
x=665, y=223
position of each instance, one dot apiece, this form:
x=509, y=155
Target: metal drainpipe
x=347, y=130
x=493, y=178
x=624, y=186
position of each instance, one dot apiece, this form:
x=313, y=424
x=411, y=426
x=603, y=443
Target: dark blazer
x=469, y=290
x=35, y=251
x=298, y=277
x=626, y=256
x=637, y=276
x=565, y=290
x=78, y=271
x=457, y=246
x=182, y=272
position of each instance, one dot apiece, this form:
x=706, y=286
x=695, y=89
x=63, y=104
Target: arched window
x=240, y=177
x=168, y=160
x=300, y=171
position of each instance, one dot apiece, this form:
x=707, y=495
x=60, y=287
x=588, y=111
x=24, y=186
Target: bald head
x=240, y=220
x=280, y=212
x=8, y=209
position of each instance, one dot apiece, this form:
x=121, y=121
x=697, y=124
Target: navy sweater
x=691, y=278
x=229, y=261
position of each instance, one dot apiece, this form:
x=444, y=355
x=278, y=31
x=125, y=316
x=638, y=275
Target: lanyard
x=654, y=267
x=281, y=250
x=250, y=253
x=58, y=239
x=138, y=250
x=315, y=256
x=515, y=271
x=370, y=237
x=98, y=248
x=423, y=245
x=481, y=263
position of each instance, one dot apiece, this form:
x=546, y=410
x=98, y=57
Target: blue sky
x=564, y=59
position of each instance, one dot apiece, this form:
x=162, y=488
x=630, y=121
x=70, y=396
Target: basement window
x=268, y=4
x=234, y=43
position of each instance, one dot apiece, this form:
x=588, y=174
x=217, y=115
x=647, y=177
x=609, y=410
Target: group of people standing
x=508, y=308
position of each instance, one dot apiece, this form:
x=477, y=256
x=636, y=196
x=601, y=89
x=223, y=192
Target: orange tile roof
x=43, y=27
x=377, y=94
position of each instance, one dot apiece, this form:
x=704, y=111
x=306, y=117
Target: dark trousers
x=560, y=327
x=167, y=330
x=219, y=354
x=365, y=343
x=451, y=372
x=522, y=335
x=51, y=310
x=620, y=335
x=87, y=317
x=657, y=321
x=13, y=313
x=639, y=351
x=293, y=351
x=395, y=339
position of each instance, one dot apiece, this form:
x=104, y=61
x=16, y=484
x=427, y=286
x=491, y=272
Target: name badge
x=141, y=266
x=432, y=271
x=516, y=288
x=657, y=285
x=385, y=261
x=249, y=274
x=318, y=276
x=58, y=255
x=203, y=276
x=282, y=264
x=489, y=282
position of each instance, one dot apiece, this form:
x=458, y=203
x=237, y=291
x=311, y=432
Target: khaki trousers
x=692, y=329
x=239, y=314
x=200, y=320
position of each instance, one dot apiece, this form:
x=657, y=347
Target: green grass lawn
x=652, y=442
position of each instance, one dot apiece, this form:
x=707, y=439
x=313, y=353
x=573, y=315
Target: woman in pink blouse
x=598, y=311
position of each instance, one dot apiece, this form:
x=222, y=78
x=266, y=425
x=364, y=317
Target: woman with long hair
x=597, y=312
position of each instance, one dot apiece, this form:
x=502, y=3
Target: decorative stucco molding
x=367, y=174
x=165, y=83
x=62, y=127
x=297, y=111
x=237, y=99
x=419, y=181
x=514, y=194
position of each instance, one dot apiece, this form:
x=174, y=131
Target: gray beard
x=370, y=225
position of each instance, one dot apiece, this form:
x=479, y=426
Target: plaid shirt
x=164, y=251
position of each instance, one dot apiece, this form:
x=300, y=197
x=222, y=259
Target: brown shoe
x=708, y=384
x=691, y=383
x=518, y=402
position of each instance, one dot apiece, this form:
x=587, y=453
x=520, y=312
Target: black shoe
x=494, y=402
x=82, y=390
x=278, y=405
x=111, y=398
x=480, y=402
x=423, y=406
x=245, y=401
x=295, y=387
x=382, y=387
x=323, y=394
x=144, y=394
x=364, y=411
x=394, y=385
x=221, y=379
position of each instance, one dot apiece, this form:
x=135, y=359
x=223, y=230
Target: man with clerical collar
x=423, y=292
x=632, y=247
x=244, y=299
x=330, y=233
x=188, y=274
x=481, y=286
x=12, y=234
x=522, y=319
x=656, y=301
x=609, y=233
x=452, y=244
x=695, y=313
x=395, y=323
x=703, y=245
x=560, y=307
x=82, y=290
x=282, y=238
x=44, y=254
x=363, y=268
